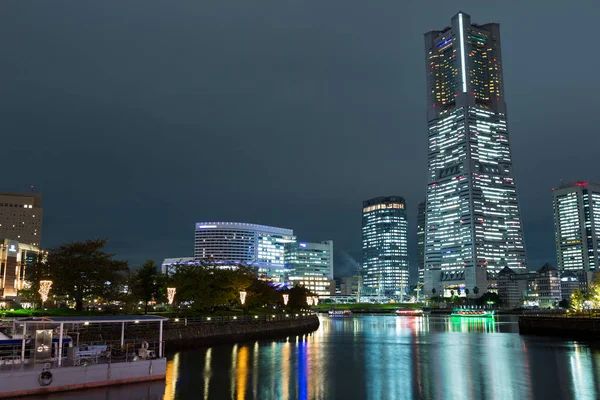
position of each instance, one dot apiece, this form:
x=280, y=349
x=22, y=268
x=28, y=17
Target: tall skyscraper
x=21, y=217
x=236, y=242
x=385, y=246
x=310, y=265
x=577, y=228
x=421, y=240
x=472, y=218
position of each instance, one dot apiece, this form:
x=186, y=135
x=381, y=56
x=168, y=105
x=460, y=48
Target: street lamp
x=286, y=298
x=242, y=297
x=171, y=294
x=44, y=290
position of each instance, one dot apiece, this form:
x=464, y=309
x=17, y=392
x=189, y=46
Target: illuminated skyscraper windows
x=385, y=246
x=472, y=213
x=577, y=228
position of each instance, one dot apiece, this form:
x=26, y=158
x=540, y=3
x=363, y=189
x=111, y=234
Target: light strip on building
x=462, y=52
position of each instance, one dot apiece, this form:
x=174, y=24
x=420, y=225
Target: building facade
x=232, y=243
x=421, y=241
x=14, y=259
x=21, y=217
x=472, y=213
x=169, y=265
x=385, y=265
x=548, y=286
x=310, y=265
x=577, y=229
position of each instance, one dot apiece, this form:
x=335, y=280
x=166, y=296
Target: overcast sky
x=136, y=119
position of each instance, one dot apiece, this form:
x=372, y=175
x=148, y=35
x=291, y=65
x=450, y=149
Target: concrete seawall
x=567, y=327
x=191, y=333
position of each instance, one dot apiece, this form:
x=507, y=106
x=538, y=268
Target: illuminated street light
x=242, y=297
x=286, y=298
x=44, y=290
x=171, y=294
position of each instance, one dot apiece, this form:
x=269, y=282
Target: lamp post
x=171, y=294
x=44, y=290
x=242, y=299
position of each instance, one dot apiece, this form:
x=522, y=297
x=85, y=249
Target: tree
x=148, y=284
x=34, y=273
x=577, y=300
x=475, y=290
x=564, y=303
x=452, y=293
x=83, y=270
x=433, y=291
x=489, y=297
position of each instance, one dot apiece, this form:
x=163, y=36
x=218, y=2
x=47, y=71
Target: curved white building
x=237, y=242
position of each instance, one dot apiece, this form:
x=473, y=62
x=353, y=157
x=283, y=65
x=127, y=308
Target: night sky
x=136, y=119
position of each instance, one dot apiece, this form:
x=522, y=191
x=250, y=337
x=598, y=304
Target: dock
x=44, y=355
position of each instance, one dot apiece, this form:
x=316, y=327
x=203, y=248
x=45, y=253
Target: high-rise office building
x=472, y=215
x=385, y=246
x=310, y=265
x=233, y=242
x=577, y=228
x=421, y=240
x=21, y=217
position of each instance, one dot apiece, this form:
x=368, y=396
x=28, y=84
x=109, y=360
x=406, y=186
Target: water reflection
x=384, y=357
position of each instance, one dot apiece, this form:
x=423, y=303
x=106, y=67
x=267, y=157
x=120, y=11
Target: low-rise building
x=568, y=284
x=14, y=259
x=311, y=265
x=169, y=265
x=548, y=284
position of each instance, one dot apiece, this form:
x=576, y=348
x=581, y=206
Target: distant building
x=385, y=246
x=421, y=240
x=311, y=265
x=547, y=281
x=568, y=284
x=235, y=242
x=514, y=288
x=21, y=217
x=14, y=259
x=577, y=229
x=349, y=285
x=168, y=265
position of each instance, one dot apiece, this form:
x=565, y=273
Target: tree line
x=84, y=275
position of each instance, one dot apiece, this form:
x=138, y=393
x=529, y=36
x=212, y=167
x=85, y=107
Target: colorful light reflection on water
x=383, y=357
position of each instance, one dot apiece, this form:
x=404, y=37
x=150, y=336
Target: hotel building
x=232, y=243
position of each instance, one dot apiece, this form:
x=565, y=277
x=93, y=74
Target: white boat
x=340, y=313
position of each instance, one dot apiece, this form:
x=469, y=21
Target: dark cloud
x=136, y=119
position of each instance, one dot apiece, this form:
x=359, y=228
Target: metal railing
x=241, y=319
x=82, y=354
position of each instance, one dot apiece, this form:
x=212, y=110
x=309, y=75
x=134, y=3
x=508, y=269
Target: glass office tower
x=472, y=213
x=385, y=246
x=577, y=228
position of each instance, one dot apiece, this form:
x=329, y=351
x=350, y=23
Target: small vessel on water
x=340, y=313
x=408, y=312
x=470, y=312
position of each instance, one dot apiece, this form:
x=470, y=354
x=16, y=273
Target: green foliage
x=207, y=285
x=577, y=300
x=147, y=284
x=475, y=290
x=488, y=297
x=564, y=303
x=83, y=271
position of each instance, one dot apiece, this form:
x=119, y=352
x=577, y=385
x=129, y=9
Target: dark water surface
x=381, y=357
